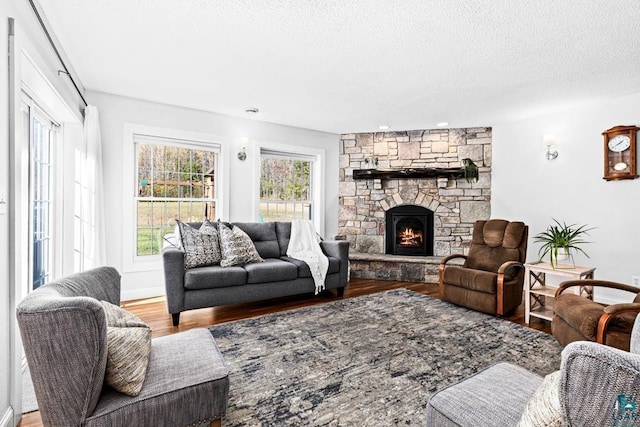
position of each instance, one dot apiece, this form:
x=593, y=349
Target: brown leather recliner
x=492, y=276
x=577, y=318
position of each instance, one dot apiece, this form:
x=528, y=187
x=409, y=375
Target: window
x=40, y=132
x=174, y=180
x=286, y=191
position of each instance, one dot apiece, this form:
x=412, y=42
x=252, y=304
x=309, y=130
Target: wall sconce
x=244, y=143
x=549, y=141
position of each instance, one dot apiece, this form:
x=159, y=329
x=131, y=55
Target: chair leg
x=500, y=295
x=441, y=281
x=216, y=423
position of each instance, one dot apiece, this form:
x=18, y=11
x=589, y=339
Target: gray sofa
x=278, y=276
x=64, y=333
x=599, y=386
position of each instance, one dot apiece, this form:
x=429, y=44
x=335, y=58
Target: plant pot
x=564, y=259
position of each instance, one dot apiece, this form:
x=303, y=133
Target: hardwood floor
x=153, y=311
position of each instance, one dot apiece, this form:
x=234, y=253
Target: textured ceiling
x=349, y=66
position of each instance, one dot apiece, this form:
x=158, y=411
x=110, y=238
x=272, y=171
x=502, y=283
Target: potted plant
x=470, y=170
x=559, y=239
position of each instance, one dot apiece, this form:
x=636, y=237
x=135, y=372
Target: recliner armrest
x=596, y=282
x=448, y=258
x=508, y=266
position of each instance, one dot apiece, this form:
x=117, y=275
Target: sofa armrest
x=338, y=249
x=599, y=384
x=173, y=263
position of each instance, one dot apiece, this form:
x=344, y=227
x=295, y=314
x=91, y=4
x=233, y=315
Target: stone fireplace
x=409, y=231
x=366, y=204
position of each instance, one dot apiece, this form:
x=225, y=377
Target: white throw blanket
x=304, y=245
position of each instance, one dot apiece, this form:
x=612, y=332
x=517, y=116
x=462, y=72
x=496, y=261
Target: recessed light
x=443, y=124
x=383, y=127
x=251, y=110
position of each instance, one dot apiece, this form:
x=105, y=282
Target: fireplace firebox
x=409, y=231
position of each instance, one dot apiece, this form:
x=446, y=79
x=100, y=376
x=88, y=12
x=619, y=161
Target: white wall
x=528, y=187
x=116, y=111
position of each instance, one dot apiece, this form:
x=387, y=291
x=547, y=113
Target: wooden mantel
x=409, y=173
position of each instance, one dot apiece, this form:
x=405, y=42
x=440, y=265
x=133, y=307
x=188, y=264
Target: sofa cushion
x=305, y=271
x=195, y=387
x=271, y=270
x=263, y=236
x=201, y=246
x=236, y=246
x=214, y=277
x=128, y=349
x=477, y=280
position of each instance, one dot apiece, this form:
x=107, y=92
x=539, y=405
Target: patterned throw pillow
x=543, y=408
x=201, y=247
x=128, y=350
x=237, y=248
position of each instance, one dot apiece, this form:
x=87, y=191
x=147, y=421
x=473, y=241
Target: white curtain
x=92, y=198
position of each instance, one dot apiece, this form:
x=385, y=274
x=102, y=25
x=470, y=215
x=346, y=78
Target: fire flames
x=410, y=237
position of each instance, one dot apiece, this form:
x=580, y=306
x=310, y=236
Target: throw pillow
x=201, y=247
x=237, y=248
x=543, y=408
x=128, y=350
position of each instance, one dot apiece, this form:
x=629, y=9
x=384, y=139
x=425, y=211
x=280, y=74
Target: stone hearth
x=456, y=203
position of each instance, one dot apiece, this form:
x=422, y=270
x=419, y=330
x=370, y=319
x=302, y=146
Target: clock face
x=619, y=143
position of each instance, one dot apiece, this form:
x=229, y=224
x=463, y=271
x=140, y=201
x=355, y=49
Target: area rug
x=370, y=360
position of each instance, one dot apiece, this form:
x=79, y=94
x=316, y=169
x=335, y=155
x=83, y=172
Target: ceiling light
x=383, y=127
x=251, y=110
x=443, y=124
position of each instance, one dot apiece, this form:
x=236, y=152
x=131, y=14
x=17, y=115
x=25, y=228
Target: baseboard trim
x=7, y=418
x=157, y=291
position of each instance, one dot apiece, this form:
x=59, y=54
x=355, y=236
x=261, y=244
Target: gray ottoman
x=494, y=397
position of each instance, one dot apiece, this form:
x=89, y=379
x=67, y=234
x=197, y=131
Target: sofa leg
x=341, y=292
x=175, y=317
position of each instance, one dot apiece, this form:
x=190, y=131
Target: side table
x=539, y=296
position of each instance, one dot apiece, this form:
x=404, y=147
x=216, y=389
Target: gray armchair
x=64, y=334
x=599, y=386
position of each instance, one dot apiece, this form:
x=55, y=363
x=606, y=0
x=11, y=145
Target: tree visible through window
x=173, y=182
x=285, y=188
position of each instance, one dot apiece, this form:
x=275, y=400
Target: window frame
x=132, y=262
x=55, y=197
x=317, y=159
x=157, y=142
